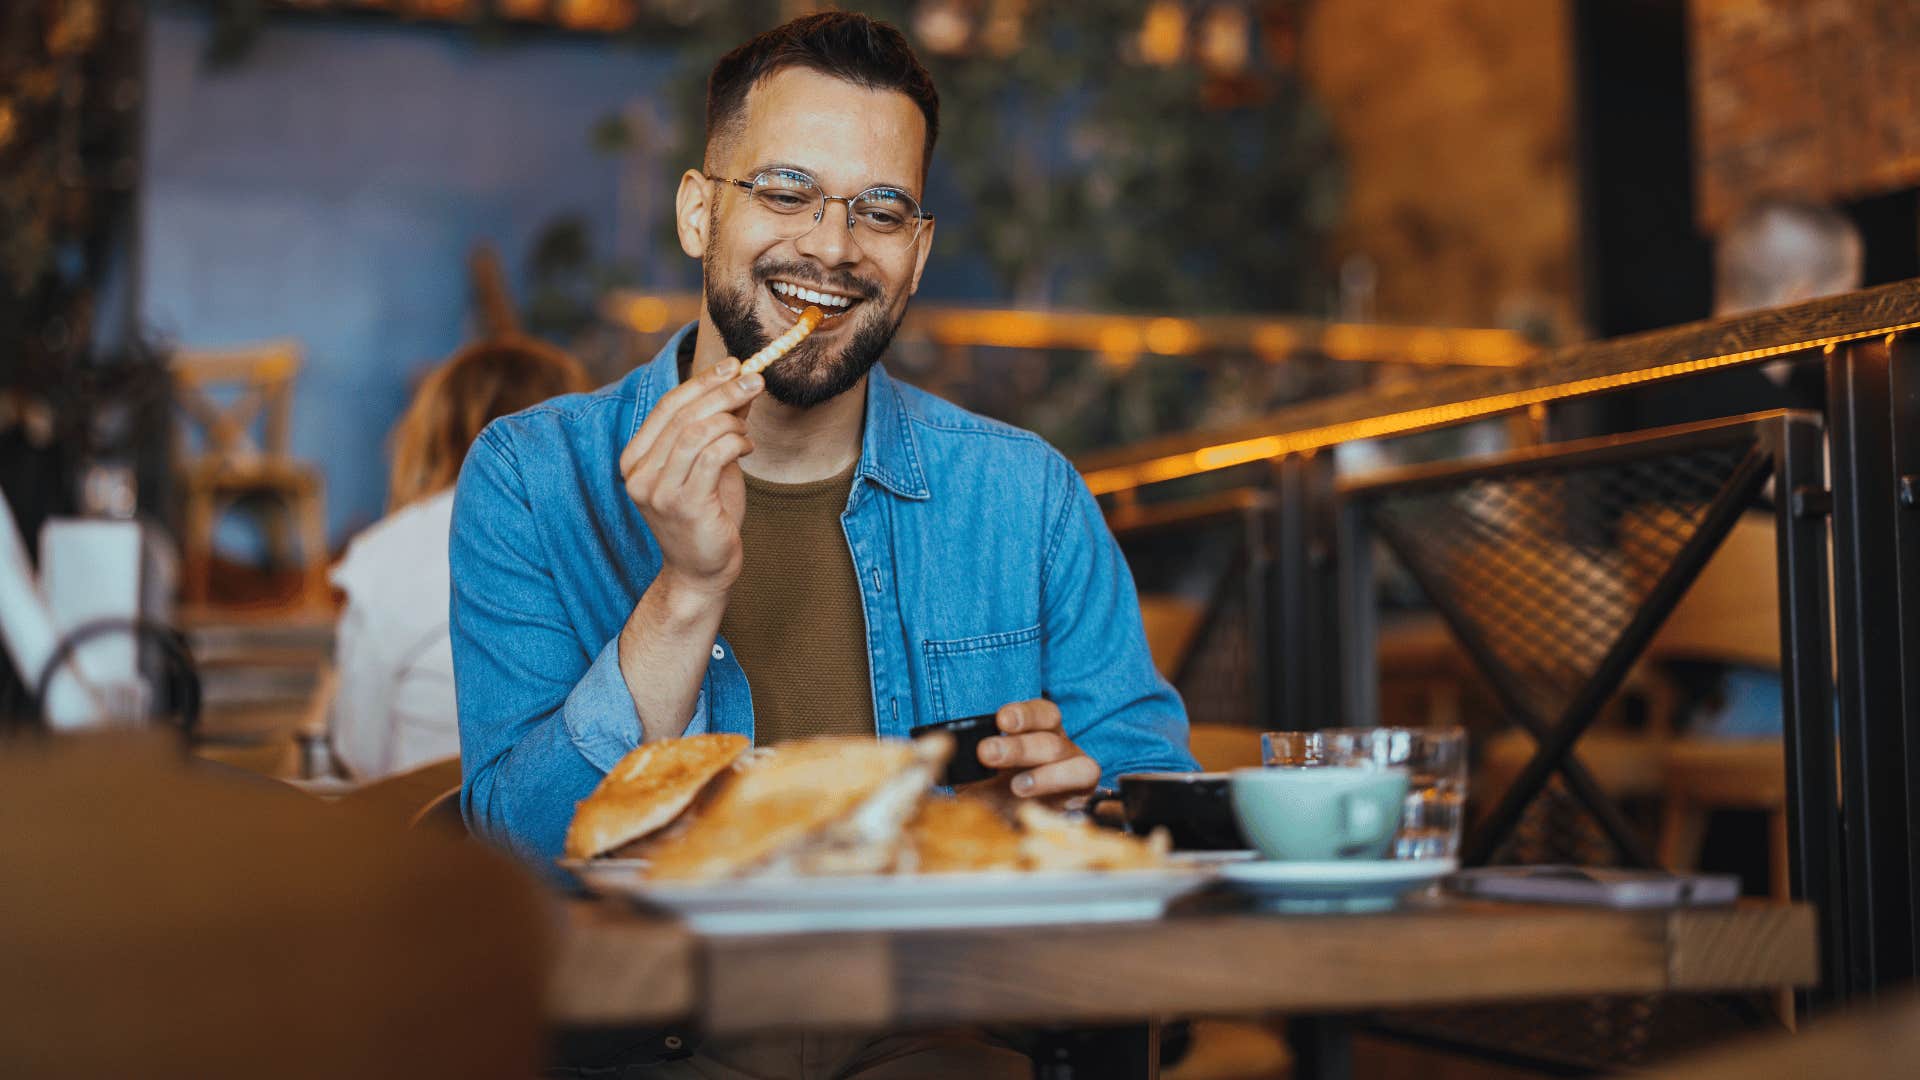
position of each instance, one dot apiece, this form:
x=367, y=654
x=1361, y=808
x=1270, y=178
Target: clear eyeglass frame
x=793, y=203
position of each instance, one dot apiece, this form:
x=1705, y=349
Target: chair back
x=1730, y=615
x=227, y=394
x=395, y=801
x=1224, y=747
x=441, y=814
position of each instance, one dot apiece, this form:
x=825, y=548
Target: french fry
x=782, y=345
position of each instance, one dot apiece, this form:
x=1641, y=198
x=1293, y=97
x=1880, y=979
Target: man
x=819, y=550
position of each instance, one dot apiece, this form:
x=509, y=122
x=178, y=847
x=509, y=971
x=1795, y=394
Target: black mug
x=1195, y=808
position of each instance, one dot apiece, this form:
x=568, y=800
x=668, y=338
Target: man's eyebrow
x=788, y=166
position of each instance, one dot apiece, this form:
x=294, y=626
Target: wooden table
x=619, y=967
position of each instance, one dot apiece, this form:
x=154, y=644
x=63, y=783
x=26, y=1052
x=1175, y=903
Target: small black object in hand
x=967, y=732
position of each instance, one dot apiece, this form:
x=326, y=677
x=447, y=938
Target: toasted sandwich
x=960, y=834
x=648, y=789
x=817, y=807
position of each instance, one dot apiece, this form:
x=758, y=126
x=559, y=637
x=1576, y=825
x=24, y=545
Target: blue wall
x=330, y=187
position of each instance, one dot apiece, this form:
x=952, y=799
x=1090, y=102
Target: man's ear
x=692, y=213
x=924, y=247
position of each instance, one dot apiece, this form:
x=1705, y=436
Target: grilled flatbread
x=820, y=806
x=1053, y=841
x=961, y=834
x=647, y=789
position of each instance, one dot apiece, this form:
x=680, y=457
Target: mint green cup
x=1321, y=813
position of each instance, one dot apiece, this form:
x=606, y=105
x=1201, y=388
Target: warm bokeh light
x=1163, y=35
x=1266, y=447
x=1271, y=339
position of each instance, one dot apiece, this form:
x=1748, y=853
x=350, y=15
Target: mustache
x=801, y=273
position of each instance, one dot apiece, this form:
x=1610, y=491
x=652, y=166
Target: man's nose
x=831, y=239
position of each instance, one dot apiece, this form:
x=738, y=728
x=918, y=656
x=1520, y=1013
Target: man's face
x=848, y=139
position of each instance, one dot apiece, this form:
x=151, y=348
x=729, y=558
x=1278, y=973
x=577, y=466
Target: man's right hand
x=682, y=470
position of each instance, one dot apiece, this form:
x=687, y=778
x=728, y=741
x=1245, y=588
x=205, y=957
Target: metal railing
x=1861, y=867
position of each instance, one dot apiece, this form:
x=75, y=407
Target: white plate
x=1339, y=885
x=908, y=901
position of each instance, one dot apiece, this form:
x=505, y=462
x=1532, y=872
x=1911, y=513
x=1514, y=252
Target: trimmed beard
x=733, y=315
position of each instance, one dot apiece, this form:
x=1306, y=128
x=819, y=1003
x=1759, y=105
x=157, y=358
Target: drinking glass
x=1435, y=760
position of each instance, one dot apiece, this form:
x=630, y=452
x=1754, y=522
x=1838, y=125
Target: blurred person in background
x=1782, y=252
x=393, y=708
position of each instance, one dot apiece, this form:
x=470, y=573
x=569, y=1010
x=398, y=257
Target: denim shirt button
x=718, y=652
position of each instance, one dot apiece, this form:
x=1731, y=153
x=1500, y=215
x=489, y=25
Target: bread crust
x=957, y=834
x=647, y=789
x=795, y=794
x=1053, y=841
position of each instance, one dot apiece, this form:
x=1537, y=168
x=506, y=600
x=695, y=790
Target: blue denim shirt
x=987, y=576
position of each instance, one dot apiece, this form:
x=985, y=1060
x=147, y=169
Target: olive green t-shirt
x=794, y=617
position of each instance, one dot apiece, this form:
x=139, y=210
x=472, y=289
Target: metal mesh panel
x=1543, y=569
x=1216, y=681
x=1557, y=828
x=1547, y=568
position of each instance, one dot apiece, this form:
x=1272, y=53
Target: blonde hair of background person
x=393, y=705
x=483, y=381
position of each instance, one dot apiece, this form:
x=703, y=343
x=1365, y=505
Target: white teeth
x=810, y=296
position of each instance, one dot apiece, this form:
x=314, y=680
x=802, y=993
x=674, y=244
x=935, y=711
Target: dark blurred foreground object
x=164, y=919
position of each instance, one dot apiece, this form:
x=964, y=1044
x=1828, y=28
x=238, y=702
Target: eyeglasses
x=793, y=204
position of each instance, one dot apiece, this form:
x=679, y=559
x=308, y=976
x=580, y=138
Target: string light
x=1267, y=447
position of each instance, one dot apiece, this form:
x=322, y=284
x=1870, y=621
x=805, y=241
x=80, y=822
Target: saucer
x=1213, y=858
x=1338, y=885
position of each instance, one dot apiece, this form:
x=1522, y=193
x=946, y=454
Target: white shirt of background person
x=394, y=707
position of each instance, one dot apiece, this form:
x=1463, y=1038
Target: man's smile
x=795, y=297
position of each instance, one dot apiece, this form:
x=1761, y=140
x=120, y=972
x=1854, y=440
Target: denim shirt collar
x=888, y=454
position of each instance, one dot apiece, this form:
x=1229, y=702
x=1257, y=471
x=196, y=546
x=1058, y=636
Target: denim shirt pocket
x=973, y=676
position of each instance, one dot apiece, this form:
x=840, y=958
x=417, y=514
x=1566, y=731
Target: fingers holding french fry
x=717, y=389
x=681, y=470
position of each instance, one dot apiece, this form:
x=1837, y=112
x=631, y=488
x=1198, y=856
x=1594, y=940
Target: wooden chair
x=231, y=464
x=1172, y=624
x=395, y=801
x=1724, y=618
x=1223, y=747
x=441, y=814
x=1703, y=775
x=1729, y=614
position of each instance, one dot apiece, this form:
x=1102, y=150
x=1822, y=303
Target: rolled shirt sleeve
x=541, y=718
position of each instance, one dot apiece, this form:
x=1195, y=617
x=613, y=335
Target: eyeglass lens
x=796, y=202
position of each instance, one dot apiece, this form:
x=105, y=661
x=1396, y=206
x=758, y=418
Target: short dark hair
x=845, y=45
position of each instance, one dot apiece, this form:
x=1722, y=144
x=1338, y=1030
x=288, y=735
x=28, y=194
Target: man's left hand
x=1032, y=752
